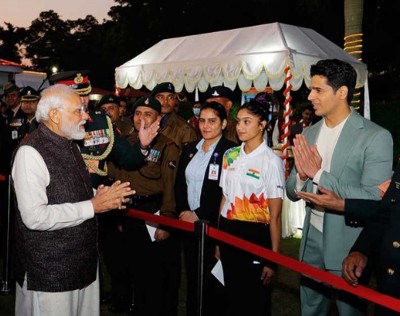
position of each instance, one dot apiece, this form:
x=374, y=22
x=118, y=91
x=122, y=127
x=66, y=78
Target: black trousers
x=154, y=266
x=246, y=295
x=213, y=291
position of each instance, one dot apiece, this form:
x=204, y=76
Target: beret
x=219, y=92
x=110, y=98
x=163, y=87
x=149, y=102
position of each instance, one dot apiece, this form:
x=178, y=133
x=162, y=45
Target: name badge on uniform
x=213, y=172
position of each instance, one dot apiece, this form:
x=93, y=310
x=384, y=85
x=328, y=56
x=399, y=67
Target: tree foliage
x=10, y=41
x=135, y=25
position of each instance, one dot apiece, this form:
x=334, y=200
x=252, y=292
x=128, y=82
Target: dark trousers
x=7, y=231
x=155, y=266
x=114, y=254
x=213, y=291
x=246, y=295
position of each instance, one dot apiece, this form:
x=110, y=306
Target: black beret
x=29, y=94
x=76, y=79
x=163, y=87
x=149, y=102
x=110, y=98
x=219, y=92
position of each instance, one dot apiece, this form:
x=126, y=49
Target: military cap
x=110, y=98
x=219, y=92
x=163, y=87
x=76, y=79
x=149, y=102
x=29, y=94
x=9, y=87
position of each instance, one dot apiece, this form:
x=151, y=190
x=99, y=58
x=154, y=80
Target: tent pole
x=286, y=116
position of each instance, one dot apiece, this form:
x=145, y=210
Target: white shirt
x=326, y=143
x=31, y=177
x=249, y=180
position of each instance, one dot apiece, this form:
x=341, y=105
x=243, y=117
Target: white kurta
x=31, y=177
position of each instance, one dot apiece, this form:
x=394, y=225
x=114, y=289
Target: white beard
x=73, y=131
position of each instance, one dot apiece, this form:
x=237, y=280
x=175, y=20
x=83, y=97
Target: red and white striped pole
x=286, y=115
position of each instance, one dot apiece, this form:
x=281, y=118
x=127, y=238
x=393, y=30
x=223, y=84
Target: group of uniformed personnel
x=127, y=150
x=16, y=122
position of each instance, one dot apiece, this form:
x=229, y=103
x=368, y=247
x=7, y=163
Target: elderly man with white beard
x=56, y=232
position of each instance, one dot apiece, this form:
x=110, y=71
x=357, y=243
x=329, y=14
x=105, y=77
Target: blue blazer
x=361, y=161
x=211, y=192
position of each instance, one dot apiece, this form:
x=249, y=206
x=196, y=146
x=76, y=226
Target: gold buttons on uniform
x=396, y=244
x=390, y=271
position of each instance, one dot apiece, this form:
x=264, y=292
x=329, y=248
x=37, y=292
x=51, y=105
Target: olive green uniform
x=125, y=126
x=177, y=129
x=230, y=131
x=157, y=175
x=154, y=265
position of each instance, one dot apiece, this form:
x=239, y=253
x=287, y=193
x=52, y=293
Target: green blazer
x=361, y=161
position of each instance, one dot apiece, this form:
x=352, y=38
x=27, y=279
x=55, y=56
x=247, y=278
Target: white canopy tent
x=272, y=55
x=250, y=56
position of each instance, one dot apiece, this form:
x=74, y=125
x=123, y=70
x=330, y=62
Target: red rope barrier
x=295, y=265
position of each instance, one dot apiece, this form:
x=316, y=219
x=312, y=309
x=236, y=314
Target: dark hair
x=308, y=107
x=338, y=73
x=257, y=108
x=268, y=100
x=217, y=107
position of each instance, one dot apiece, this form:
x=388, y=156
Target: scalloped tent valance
x=250, y=56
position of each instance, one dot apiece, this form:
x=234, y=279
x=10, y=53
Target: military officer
x=154, y=256
x=14, y=117
x=12, y=126
x=224, y=96
x=12, y=98
x=110, y=104
x=102, y=141
x=172, y=125
x=29, y=101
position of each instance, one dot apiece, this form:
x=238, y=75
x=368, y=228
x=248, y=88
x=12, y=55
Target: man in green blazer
x=347, y=154
x=379, y=241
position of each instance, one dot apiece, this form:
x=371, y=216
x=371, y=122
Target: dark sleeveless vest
x=65, y=259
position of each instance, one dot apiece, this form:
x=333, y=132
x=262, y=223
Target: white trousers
x=84, y=302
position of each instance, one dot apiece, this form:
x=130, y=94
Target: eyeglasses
x=79, y=111
x=82, y=109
